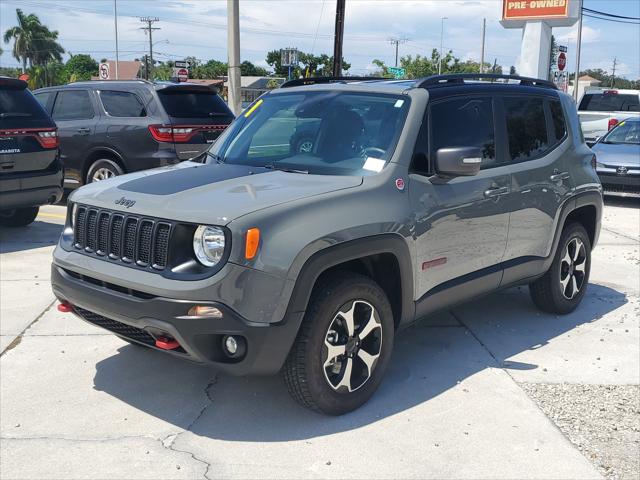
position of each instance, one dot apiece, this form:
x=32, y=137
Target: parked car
x=30, y=169
x=108, y=128
x=267, y=258
x=601, y=110
x=618, y=154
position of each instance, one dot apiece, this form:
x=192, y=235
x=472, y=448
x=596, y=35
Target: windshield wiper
x=216, y=157
x=7, y=115
x=273, y=166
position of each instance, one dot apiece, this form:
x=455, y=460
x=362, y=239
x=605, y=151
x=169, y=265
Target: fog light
x=234, y=346
x=204, y=311
x=231, y=344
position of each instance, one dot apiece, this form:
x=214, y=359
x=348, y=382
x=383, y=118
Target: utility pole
x=115, y=21
x=338, y=38
x=613, y=75
x=233, y=47
x=441, y=45
x=484, y=30
x=578, y=45
x=150, y=28
x=396, y=42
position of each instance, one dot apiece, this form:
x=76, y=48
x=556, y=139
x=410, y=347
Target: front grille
x=139, y=241
x=122, y=329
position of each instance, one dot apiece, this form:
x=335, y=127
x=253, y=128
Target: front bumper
x=142, y=318
x=613, y=182
x=30, y=189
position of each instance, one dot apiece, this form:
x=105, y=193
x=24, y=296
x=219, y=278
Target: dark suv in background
x=30, y=168
x=108, y=128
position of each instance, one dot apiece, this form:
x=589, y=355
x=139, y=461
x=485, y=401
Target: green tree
x=34, y=43
x=209, y=70
x=309, y=65
x=248, y=69
x=553, y=55
x=81, y=67
x=163, y=71
x=512, y=70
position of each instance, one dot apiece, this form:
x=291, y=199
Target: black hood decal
x=181, y=179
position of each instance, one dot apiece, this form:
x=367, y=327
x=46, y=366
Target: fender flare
x=343, y=252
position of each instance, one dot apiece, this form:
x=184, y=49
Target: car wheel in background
x=103, y=169
x=18, y=217
x=561, y=289
x=343, y=346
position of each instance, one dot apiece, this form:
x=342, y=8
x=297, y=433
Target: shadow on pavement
x=427, y=361
x=39, y=234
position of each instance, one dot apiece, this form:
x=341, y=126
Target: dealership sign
x=535, y=9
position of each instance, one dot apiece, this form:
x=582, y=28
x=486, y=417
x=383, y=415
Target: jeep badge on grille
x=125, y=202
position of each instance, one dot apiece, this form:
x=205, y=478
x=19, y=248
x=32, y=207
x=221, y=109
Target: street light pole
x=441, y=45
x=578, y=45
x=338, y=38
x=115, y=21
x=484, y=30
x=233, y=46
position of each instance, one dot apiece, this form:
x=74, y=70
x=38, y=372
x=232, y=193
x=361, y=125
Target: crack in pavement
x=169, y=441
x=16, y=341
x=636, y=240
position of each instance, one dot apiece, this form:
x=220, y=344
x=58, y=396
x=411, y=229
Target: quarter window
x=557, y=116
x=122, y=104
x=526, y=128
x=73, y=105
x=466, y=122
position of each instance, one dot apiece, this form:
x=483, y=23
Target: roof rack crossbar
x=459, y=78
x=297, y=82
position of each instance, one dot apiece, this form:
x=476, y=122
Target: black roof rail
x=298, y=82
x=459, y=78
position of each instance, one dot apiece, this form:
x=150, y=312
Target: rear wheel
x=18, y=217
x=561, y=289
x=343, y=347
x=103, y=169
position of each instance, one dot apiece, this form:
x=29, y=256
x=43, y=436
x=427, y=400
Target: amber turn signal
x=252, y=242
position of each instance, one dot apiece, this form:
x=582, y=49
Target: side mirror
x=458, y=161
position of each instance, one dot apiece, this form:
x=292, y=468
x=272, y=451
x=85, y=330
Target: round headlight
x=208, y=245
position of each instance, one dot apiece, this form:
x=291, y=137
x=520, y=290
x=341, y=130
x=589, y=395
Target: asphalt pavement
x=457, y=401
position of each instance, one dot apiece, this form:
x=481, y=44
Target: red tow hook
x=65, y=307
x=166, y=343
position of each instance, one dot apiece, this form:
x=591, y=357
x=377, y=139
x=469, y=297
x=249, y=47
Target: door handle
x=84, y=131
x=558, y=177
x=496, y=192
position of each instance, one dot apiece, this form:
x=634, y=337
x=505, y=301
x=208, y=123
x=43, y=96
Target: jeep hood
x=213, y=194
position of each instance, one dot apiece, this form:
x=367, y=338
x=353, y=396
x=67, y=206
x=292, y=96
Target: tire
x=102, y=170
x=555, y=291
x=19, y=217
x=319, y=382
x=304, y=145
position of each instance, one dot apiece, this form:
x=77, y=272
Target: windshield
x=331, y=132
x=625, y=132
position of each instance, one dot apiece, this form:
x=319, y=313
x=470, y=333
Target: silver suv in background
x=601, y=110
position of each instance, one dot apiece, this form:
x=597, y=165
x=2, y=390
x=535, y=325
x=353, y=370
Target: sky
x=198, y=28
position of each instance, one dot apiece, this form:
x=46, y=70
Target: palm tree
x=33, y=43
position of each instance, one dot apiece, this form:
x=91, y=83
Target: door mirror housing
x=458, y=161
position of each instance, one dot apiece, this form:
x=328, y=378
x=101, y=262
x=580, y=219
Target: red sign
x=534, y=9
x=562, y=61
x=24, y=77
x=183, y=75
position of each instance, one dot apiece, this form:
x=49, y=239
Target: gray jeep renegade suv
x=412, y=196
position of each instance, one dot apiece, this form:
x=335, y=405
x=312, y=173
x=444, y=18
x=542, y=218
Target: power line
x=397, y=41
x=608, y=14
x=610, y=19
x=149, y=29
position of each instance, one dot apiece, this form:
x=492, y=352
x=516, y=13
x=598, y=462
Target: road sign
x=289, y=57
x=182, y=74
x=397, y=72
x=562, y=48
x=103, y=71
x=562, y=61
x=181, y=64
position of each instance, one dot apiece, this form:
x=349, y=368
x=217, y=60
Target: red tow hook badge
x=167, y=343
x=65, y=308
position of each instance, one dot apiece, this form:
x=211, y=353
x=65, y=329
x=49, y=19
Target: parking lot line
x=52, y=215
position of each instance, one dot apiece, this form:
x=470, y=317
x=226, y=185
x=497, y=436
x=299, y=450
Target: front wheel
x=561, y=289
x=343, y=347
x=18, y=217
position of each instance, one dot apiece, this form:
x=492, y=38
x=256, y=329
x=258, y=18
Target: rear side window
x=557, y=117
x=73, y=105
x=192, y=104
x=122, y=104
x=466, y=122
x=609, y=102
x=18, y=106
x=526, y=128
x=43, y=98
